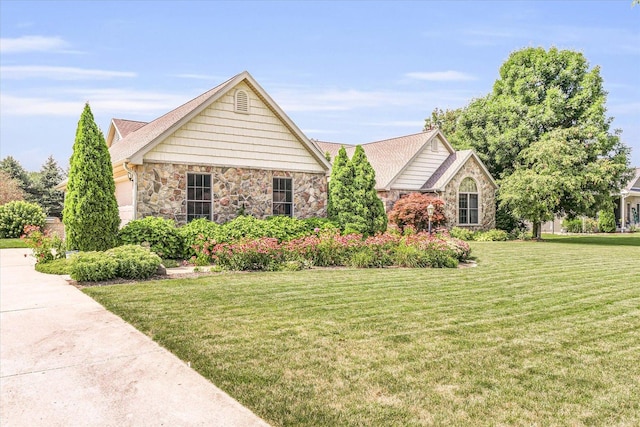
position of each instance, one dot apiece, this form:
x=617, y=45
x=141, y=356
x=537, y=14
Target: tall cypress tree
x=90, y=212
x=369, y=212
x=339, y=184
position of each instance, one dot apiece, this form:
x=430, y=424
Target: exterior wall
x=486, y=194
x=422, y=167
x=162, y=189
x=388, y=198
x=224, y=137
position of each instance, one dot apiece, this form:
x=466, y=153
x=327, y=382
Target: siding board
x=220, y=136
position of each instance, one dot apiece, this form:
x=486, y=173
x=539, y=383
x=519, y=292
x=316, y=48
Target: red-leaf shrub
x=411, y=210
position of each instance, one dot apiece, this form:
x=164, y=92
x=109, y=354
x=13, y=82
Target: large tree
x=546, y=98
x=90, y=212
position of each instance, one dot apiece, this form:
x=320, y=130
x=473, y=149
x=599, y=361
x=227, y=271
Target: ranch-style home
x=233, y=149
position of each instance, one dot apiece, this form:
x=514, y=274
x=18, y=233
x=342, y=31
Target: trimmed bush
x=93, y=267
x=160, y=234
x=606, y=221
x=57, y=266
x=573, y=225
x=462, y=233
x=195, y=233
x=15, y=216
x=134, y=262
x=492, y=236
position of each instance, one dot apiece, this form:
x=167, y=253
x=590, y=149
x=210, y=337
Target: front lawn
x=541, y=333
x=12, y=243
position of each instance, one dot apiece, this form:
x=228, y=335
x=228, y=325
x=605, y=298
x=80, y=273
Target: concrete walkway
x=66, y=361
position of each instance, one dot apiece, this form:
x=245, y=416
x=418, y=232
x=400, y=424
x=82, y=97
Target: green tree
x=47, y=196
x=339, y=186
x=562, y=173
x=447, y=122
x=369, y=213
x=546, y=97
x=90, y=213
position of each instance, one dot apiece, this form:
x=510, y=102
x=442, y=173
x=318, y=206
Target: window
x=282, y=197
x=198, y=196
x=241, y=101
x=468, y=202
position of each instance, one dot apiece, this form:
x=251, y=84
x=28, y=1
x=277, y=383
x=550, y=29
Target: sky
x=350, y=72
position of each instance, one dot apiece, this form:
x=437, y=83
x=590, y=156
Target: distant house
x=425, y=162
x=229, y=150
x=627, y=207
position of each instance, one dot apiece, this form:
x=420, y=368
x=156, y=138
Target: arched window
x=241, y=101
x=468, y=202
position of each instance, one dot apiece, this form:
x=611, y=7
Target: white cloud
x=198, y=77
x=32, y=44
x=441, y=76
x=59, y=73
x=398, y=123
x=119, y=102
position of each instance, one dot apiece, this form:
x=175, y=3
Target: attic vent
x=242, y=101
x=434, y=145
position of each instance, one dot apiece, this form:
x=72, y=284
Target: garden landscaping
x=540, y=333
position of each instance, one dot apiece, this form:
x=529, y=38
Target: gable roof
x=450, y=167
x=634, y=183
x=390, y=157
x=125, y=127
x=138, y=142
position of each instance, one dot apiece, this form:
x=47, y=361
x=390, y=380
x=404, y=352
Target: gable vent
x=242, y=101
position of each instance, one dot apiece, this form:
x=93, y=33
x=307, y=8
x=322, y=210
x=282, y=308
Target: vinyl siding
x=220, y=136
x=421, y=167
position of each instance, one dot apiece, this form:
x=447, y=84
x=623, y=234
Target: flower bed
x=330, y=248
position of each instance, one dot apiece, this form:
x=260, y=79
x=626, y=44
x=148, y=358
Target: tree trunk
x=537, y=230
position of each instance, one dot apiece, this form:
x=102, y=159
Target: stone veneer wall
x=162, y=191
x=486, y=192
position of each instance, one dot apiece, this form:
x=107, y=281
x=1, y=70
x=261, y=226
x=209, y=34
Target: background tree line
x=35, y=187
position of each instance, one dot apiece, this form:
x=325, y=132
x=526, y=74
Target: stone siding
x=486, y=193
x=162, y=191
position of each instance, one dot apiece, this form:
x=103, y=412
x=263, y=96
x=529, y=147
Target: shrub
x=195, y=233
x=572, y=225
x=492, y=236
x=506, y=221
x=590, y=225
x=14, y=216
x=259, y=254
x=93, y=267
x=462, y=233
x=57, y=266
x=134, y=262
x=45, y=246
x=242, y=227
x=411, y=210
x=606, y=221
x=410, y=256
x=159, y=233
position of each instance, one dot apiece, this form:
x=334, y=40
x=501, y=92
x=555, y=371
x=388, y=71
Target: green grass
x=12, y=244
x=540, y=333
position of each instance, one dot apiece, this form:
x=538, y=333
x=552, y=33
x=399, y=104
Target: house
x=426, y=162
x=627, y=204
x=230, y=150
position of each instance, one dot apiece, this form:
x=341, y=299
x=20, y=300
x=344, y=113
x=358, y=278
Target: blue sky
x=351, y=72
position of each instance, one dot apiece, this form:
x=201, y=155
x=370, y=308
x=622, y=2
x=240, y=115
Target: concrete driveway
x=66, y=361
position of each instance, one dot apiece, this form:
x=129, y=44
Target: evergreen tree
x=339, y=184
x=48, y=197
x=91, y=211
x=369, y=212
